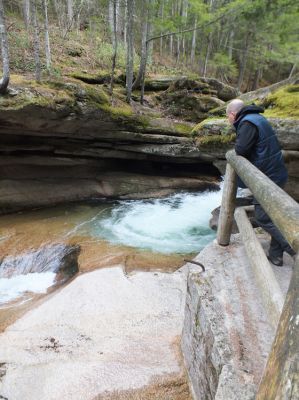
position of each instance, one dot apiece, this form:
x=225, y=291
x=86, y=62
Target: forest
x=247, y=44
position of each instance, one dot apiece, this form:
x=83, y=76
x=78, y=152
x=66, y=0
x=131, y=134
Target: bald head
x=233, y=108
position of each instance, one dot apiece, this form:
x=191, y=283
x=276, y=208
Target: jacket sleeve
x=247, y=136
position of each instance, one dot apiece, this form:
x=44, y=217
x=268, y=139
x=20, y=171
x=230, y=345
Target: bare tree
x=130, y=49
x=26, y=11
x=70, y=12
x=115, y=44
x=162, y=18
x=47, y=37
x=231, y=44
x=5, y=51
x=36, y=42
x=193, y=45
x=243, y=60
x=293, y=69
x=144, y=52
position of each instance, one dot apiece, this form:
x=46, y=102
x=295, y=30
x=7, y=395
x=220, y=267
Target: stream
x=140, y=235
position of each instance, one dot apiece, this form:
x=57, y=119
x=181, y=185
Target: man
x=257, y=141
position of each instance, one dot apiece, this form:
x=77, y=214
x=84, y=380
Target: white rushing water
x=16, y=286
x=176, y=224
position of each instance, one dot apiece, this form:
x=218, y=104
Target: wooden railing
x=281, y=375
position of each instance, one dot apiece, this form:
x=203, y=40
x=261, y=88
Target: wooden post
x=267, y=283
x=227, y=206
x=281, y=376
x=282, y=209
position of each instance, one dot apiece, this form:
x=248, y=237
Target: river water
x=140, y=235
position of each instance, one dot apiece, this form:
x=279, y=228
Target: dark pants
x=278, y=243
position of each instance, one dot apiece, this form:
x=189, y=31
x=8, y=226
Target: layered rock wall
x=66, y=143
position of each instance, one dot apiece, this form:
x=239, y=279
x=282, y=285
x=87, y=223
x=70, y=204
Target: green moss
x=91, y=78
x=124, y=111
x=219, y=112
x=182, y=128
x=216, y=140
x=284, y=103
x=143, y=121
x=197, y=129
x=96, y=95
x=41, y=96
x=60, y=85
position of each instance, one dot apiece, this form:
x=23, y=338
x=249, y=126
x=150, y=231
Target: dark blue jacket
x=265, y=152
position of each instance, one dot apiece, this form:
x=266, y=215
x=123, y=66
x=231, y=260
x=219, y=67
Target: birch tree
x=130, y=49
x=115, y=44
x=70, y=13
x=144, y=47
x=5, y=51
x=26, y=11
x=47, y=37
x=193, y=45
x=36, y=41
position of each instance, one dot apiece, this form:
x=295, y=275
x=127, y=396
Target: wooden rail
x=281, y=375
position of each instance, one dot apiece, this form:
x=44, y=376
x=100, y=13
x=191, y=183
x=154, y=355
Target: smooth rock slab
x=102, y=333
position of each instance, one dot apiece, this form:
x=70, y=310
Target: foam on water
x=177, y=224
x=12, y=288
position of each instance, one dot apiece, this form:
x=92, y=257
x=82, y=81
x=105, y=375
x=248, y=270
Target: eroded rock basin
x=113, y=330
x=26, y=234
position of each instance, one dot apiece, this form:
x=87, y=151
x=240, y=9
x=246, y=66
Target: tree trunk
x=115, y=43
x=209, y=46
x=47, y=37
x=162, y=19
x=26, y=10
x=231, y=44
x=150, y=48
x=144, y=47
x=36, y=42
x=59, y=14
x=243, y=61
x=125, y=22
x=193, y=45
x=5, y=51
x=70, y=13
x=178, y=49
x=293, y=70
x=171, y=45
x=185, y=16
x=130, y=49
x=256, y=78
x=171, y=37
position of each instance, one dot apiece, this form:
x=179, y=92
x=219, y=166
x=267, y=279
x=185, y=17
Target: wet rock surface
x=58, y=258
x=105, y=335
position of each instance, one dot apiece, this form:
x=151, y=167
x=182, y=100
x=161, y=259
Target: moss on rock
x=212, y=133
x=183, y=128
x=118, y=111
x=216, y=140
x=284, y=103
x=76, y=99
x=52, y=94
x=91, y=78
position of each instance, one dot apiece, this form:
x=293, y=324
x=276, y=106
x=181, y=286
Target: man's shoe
x=275, y=260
